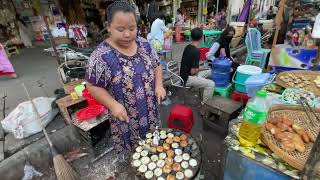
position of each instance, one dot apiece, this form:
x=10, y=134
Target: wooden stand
x=217, y=113
x=66, y=102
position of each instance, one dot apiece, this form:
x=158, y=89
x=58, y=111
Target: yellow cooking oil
x=249, y=133
x=254, y=115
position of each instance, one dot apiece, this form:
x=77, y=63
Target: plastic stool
x=181, y=117
x=12, y=50
x=223, y=91
x=240, y=97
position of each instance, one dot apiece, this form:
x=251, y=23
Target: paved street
x=35, y=67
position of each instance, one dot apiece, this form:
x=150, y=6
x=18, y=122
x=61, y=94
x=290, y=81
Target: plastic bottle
x=255, y=114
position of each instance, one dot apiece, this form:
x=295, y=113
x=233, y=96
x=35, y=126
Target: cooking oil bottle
x=255, y=114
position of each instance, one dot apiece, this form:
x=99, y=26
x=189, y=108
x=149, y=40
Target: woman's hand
x=160, y=93
x=119, y=112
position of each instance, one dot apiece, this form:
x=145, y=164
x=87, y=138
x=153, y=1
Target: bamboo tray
x=312, y=75
x=296, y=114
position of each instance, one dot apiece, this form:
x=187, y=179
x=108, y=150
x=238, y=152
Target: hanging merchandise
x=79, y=34
x=316, y=28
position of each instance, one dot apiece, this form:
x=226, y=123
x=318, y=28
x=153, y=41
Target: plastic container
x=242, y=74
x=240, y=97
x=255, y=115
x=203, y=51
x=221, y=68
x=257, y=82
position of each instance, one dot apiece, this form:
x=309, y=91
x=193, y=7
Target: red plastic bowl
x=90, y=112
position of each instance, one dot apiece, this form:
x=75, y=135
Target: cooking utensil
x=308, y=109
x=137, y=136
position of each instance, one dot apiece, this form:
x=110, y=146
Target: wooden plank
x=278, y=22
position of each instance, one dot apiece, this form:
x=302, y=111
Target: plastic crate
x=240, y=97
x=203, y=52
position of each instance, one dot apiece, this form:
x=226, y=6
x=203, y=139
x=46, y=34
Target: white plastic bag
x=22, y=121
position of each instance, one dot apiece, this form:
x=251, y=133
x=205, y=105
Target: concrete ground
x=35, y=67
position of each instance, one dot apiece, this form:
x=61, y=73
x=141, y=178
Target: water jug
x=221, y=68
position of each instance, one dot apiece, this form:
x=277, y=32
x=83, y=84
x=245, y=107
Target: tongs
x=307, y=108
x=137, y=136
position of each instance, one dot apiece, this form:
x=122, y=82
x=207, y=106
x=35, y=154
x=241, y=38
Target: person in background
x=222, y=47
x=270, y=13
x=156, y=36
x=6, y=67
x=190, y=72
x=24, y=35
x=153, y=11
x=179, y=23
x=125, y=75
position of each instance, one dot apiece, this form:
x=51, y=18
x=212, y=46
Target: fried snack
x=288, y=146
x=176, y=167
x=273, y=120
x=169, y=140
x=183, y=137
x=160, y=149
x=166, y=169
x=282, y=127
x=272, y=128
x=171, y=177
x=287, y=121
x=284, y=136
x=183, y=143
x=176, y=139
x=298, y=143
x=170, y=153
x=166, y=146
x=169, y=161
x=305, y=137
x=153, y=149
x=302, y=133
x=311, y=136
x=296, y=127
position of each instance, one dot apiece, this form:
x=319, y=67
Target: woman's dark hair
x=161, y=16
x=18, y=17
x=196, y=34
x=179, y=11
x=119, y=6
x=227, y=30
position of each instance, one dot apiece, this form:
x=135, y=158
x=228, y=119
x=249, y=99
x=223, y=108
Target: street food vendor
x=125, y=75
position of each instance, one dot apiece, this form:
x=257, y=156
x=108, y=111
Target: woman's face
x=230, y=36
x=123, y=29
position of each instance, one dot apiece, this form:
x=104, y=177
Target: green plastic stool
x=224, y=92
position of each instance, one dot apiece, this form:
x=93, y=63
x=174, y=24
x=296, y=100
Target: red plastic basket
x=240, y=97
x=203, y=52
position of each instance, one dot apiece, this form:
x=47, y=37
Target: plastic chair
x=173, y=70
x=254, y=51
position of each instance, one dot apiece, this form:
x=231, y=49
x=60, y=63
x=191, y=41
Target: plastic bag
x=30, y=172
x=23, y=122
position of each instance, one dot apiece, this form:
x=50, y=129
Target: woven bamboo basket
x=312, y=75
x=298, y=115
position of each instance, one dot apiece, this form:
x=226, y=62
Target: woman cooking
x=124, y=74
